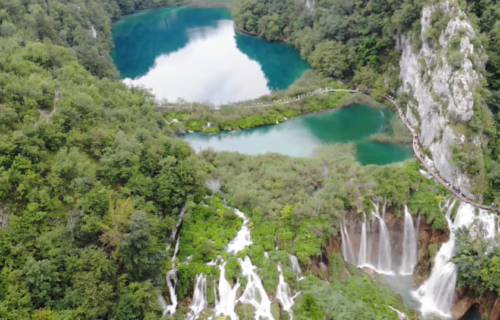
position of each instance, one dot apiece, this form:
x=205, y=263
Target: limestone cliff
x=439, y=73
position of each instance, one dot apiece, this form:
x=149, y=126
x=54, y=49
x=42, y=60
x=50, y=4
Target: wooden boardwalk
x=415, y=144
x=421, y=158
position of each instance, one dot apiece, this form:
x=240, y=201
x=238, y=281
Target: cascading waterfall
x=362, y=246
x=171, y=278
x=295, y=265
x=347, y=249
x=199, y=297
x=254, y=293
x=171, y=283
x=401, y=315
x=243, y=237
x=409, y=259
x=283, y=293
x=227, y=296
x=436, y=294
x=384, y=249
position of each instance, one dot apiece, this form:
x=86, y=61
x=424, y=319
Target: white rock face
x=443, y=93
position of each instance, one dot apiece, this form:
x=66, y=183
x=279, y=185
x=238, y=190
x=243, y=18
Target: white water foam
x=436, y=294
x=409, y=259
x=254, y=293
x=199, y=301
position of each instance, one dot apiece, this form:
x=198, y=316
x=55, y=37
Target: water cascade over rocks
x=243, y=237
x=409, y=258
x=254, y=293
x=225, y=305
x=295, y=266
x=199, y=297
x=365, y=258
x=283, y=294
x=436, y=294
x=226, y=298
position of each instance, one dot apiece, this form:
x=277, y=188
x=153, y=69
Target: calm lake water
x=195, y=54
x=301, y=136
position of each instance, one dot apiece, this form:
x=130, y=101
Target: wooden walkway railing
x=415, y=145
x=421, y=158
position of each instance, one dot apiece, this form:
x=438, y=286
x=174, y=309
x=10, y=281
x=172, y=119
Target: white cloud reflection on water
x=209, y=68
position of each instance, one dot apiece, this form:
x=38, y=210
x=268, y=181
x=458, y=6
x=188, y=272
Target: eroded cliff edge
x=440, y=69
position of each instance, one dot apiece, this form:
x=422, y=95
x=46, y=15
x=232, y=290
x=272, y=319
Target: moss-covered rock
x=245, y=312
x=276, y=310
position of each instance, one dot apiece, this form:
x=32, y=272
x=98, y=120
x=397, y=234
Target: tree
x=331, y=59
x=135, y=249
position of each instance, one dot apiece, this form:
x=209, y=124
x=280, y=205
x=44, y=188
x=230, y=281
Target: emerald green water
x=301, y=136
x=195, y=54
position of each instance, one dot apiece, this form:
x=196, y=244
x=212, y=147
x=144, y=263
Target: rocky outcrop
x=488, y=304
x=429, y=241
x=439, y=76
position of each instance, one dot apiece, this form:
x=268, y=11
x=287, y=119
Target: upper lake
x=195, y=54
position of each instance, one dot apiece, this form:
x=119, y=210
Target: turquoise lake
x=301, y=136
x=195, y=54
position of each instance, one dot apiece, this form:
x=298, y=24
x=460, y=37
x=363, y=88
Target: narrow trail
x=415, y=144
x=421, y=158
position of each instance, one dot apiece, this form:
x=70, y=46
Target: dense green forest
x=341, y=39
x=91, y=179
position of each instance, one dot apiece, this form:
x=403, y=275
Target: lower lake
x=301, y=136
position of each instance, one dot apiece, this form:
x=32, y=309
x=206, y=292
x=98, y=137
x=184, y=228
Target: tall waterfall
x=199, y=301
x=409, y=259
x=171, y=283
x=347, y=249
x=283, y=294
x=295, y=266
x=254, y=291
x=436, y=294
x=385, y=249
x=363, y=244
x=227, y=296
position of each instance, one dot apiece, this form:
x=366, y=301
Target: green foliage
x=356, y=297
x=337, y=37
x=426, y=203
x=336, y=266
x=477, y=261
x=271, y=110
x=91, y=175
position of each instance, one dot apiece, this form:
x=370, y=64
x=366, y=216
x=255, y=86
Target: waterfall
x=409, y=259
x=401, y=315
x=347, y=249
x=295, y=265
x=254, y=293
x=384, y=251
x=243, y=237
x=362, y=245
x=171, y=283
x=436, y=294
x=199, y=297
x=176, y=249
x=283, y=294
x=225, y=305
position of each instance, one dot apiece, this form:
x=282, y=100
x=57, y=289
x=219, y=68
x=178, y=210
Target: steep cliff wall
x=439, y=73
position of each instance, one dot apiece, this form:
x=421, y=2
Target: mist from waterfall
x=436, y=294
x=409, y=258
